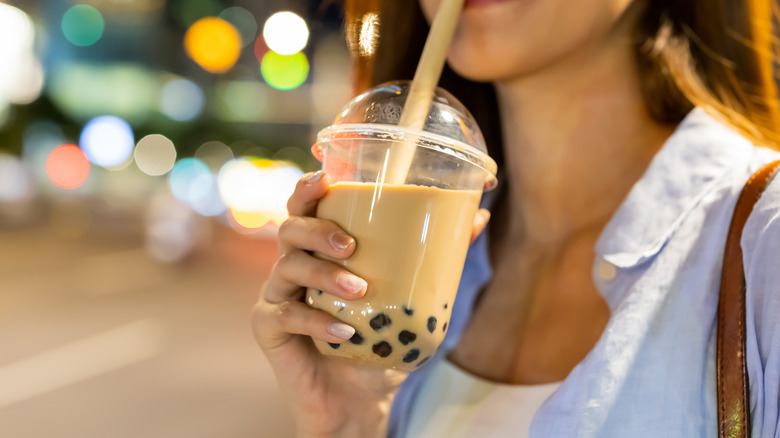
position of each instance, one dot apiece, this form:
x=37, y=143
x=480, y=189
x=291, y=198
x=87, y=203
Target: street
x=99, y=340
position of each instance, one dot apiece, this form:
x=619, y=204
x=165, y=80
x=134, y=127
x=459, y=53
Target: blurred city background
x=147, y=149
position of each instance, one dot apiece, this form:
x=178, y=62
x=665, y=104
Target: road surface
x=99, y=340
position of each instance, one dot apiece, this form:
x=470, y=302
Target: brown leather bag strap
x=733, y=400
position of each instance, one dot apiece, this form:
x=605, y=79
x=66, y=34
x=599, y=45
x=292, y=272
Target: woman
x=588, y=309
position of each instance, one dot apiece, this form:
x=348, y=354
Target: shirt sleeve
x=761, y=257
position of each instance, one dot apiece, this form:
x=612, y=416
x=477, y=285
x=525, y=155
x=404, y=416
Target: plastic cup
x=411, y=238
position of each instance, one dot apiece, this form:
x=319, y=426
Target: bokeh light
x=286, y=33
x=296, y=156
x=190, y=180
x=285, y=72
x=67, y=166
x=87, y=90
x=182, y=100
x=82, y=25
x=15, y=183
x=369, y=34
x=250, y=219
x=211, y=203
x=21, y=78
x=16, y=30
x=244, y=100
x=243, y=21
x=256, y=190
x=261, y=48
x=213, y=43
x=155, y=155
x=214, y=154
x=29, y=84
x=173, y=229
x=107, y=141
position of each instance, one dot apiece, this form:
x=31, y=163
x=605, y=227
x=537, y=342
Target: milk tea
x=411, y=247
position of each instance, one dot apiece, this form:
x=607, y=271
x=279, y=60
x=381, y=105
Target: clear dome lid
x=448, y=125
x=384, y=104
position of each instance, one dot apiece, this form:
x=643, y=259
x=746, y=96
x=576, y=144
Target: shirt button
x=606, y=270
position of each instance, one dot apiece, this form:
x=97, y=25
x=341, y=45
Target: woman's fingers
x=311, y=234
x=310, y=188
x=297, y=269
x=480, y=222
x=274, y=324
x=298, y=318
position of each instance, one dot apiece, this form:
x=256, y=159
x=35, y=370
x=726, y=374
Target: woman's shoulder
x=761, y=258
x=761, y=235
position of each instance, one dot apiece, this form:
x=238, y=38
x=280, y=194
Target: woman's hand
x=329, y=397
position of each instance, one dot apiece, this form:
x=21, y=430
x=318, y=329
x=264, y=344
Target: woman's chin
x=476, y=71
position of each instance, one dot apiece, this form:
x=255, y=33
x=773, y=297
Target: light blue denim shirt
x=658, y=264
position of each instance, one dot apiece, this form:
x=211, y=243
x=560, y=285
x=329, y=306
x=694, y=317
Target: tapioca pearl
x=380, y=321
x=423, y=361
x=407, y=310
x=432, y=324
x=334, y=346
x=382, y=349
x=444, y=327
x=356, y=339
x=412, y=355
x=319, y=292
x=406, y=337
x=445, y=306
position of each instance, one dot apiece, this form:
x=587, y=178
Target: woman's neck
x=576, y=138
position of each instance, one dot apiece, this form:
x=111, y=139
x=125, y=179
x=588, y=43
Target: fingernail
x=351, y=283
x=341, y=241
x=313, y=177
x=341, y=330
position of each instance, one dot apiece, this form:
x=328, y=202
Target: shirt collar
x=688, y=166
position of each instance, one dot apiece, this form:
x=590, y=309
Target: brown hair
x=716, y=54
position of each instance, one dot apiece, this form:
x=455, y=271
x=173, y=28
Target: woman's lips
x=480, y=3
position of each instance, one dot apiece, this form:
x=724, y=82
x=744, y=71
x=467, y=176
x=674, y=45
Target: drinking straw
x=426, y=78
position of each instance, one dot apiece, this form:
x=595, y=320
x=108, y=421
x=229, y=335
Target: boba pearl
x=412, y=355
x=356, y=338
x=405, y=337
x=334, y=346
x=444, y=327
x=382, y=349
x=432, y=324
x=408, y=311
x=380, y=321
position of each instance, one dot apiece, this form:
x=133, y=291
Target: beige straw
x=426, y=78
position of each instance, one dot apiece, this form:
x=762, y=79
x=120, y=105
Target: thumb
x=480, y=222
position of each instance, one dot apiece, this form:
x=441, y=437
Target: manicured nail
x=341, y=330
x=341, y=241
x=313, y=177
x=351, y=283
